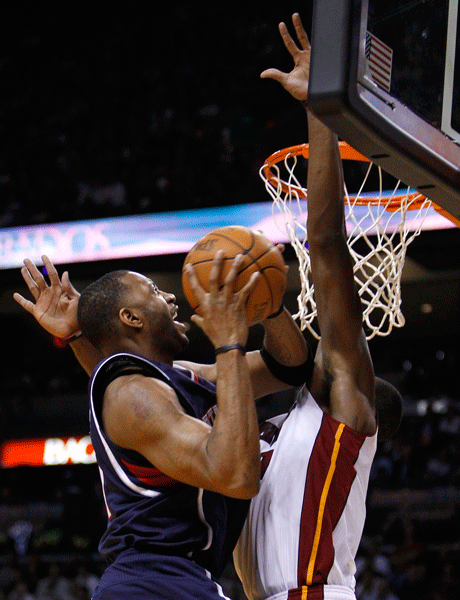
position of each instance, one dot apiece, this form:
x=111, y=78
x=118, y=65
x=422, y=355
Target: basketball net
x=377, y=234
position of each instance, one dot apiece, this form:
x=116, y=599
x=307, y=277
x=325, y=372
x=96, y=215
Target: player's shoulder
x=132, y=390
x=135, y=405
x=129, y=381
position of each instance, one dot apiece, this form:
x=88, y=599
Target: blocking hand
x=295, y=82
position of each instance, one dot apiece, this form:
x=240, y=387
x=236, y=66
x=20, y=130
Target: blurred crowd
x=46, y=581
x=139, y=113
x=133, y=112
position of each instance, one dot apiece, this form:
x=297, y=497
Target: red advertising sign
x=47, y=452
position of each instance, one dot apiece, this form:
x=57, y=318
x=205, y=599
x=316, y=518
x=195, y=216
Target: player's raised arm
x=343, y=379
x=346, y=372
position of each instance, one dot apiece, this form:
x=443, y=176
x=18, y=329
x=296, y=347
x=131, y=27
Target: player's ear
x=131, y=317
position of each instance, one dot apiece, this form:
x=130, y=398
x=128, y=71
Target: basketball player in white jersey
x=304, y=527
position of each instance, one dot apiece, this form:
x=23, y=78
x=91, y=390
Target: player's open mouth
x=179, y=324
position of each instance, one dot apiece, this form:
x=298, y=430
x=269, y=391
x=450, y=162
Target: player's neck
x=139, y=347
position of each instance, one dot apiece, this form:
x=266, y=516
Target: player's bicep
x=147, y=417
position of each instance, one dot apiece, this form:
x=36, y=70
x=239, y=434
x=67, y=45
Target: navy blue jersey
x=147, y=510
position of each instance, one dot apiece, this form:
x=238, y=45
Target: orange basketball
x=259, y=255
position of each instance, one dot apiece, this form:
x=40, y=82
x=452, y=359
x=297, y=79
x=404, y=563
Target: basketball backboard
x=385, y=75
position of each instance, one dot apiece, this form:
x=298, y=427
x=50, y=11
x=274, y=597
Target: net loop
x=378, y=233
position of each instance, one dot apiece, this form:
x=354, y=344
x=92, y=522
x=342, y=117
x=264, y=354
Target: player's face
x=159, y=312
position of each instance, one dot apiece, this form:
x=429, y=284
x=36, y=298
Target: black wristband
x=277, y=313
x=304, y=103
x=228, y=347
x=295, y=376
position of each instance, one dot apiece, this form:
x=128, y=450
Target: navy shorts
x=143, y=576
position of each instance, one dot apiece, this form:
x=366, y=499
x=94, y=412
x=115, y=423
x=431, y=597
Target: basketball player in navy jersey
x=176, y=443
x=304, y=526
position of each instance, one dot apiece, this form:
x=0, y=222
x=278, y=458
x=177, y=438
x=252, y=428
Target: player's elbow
x=252, y=486
x=249, y=493
x=243, y=486
x=246, y=491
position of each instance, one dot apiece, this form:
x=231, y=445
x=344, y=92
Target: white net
x=378, y=229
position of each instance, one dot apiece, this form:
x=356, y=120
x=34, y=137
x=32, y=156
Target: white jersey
x=304, y=527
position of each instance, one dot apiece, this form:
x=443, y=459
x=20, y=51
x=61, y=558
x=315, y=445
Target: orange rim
x=414, y=199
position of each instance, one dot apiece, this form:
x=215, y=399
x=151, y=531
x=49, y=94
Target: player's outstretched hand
x=224, y=318
x=55, y=307
x=295, y=82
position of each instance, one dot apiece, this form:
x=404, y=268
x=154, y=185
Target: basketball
x=259, y=255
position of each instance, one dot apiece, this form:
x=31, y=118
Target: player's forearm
x=337, y=300
x=284, y=340
x=233, y=445
x=325, y=184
